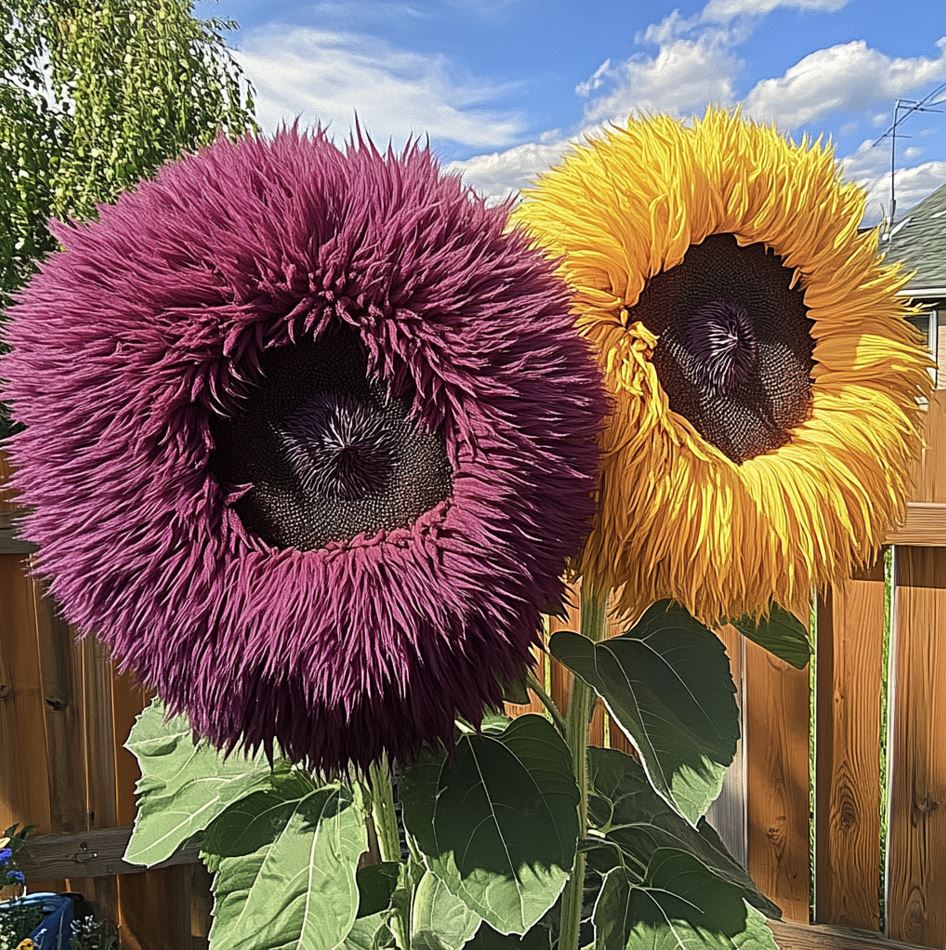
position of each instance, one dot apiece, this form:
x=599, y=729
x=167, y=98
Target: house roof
x=918, y=240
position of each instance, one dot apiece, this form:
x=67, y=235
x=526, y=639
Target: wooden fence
x=64, y=717
x=854, y=849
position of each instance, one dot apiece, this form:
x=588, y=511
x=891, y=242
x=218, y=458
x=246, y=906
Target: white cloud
x=683, y=76
x=725, y=10
x=499, y=175
x=849, y=77
x=869, y=166
x=914, y=184
x=595, y=81
x=695, y=63
x=867, y=162
x=325, y=76
x=671, y=27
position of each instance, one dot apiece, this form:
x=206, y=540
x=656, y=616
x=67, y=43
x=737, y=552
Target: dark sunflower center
x=328, y=453
x=722, y=340
x=734, y=349
x=339, y=447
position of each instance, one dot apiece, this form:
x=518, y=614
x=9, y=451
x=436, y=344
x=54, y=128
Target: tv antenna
x=902, y=110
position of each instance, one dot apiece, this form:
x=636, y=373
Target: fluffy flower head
x=765, y=379
x=307, y=440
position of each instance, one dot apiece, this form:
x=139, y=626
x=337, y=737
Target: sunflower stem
x=533, y=683
x=593, y=625
x=384, y=817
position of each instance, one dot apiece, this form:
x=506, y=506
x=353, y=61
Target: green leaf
x=184, y=786
x=780, y=633
x=538, y=938
x=440, y=921
x=667, y=684
x=494, y=723
x=516, y=691
x=369, y=933
x=497, y=820
x=285, y=863
x=630, y=817
x=376, y=885
x=675, y=904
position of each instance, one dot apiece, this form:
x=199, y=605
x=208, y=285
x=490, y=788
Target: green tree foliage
x=95, y=95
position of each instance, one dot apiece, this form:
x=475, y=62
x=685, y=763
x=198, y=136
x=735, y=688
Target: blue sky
x=503, y=86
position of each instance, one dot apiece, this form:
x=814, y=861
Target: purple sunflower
x=308, y=437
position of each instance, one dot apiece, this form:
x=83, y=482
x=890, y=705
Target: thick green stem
x=547, y=701
x=593, y=625
x=389, y=841
x=382, y=811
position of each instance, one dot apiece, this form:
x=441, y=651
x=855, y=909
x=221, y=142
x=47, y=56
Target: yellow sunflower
x=766, y=383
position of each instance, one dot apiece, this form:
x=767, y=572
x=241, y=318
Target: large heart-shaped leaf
x=284, y=863
x=184, y=785
x=370, y=933
x=497, y=820
x=667, y=684
x=376, y=886
x=538, y=938
x=440, y=921
x=781, y=633
x=674, y=903
x=632, y=823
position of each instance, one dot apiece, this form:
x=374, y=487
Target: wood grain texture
x=101, y=796
x=728, y=813
x=61, y=676
x=793, y=936
x=156, y=910
x=89, y=854
x=916, y=910
x=930, y=469
x=847, y=774
x=925, y=525
x=128, y=699
x=7, y=505
x=776, y=718
x=24, y=790
x=201, y=906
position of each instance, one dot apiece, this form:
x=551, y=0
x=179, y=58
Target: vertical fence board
x=24, y=791
x=61, y=674
x=916, y=910
x=776, y=719
x=7, y=507
x=930, y=469
x=201, y=906
x=847, y=783
x=157, y=909
x=101, y=796
x=143, y=914
x=728, y=813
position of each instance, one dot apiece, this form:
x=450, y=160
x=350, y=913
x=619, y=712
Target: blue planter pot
x=53, y=932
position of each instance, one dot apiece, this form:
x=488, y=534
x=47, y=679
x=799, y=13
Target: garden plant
x=30, y=921
x=343, y=429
